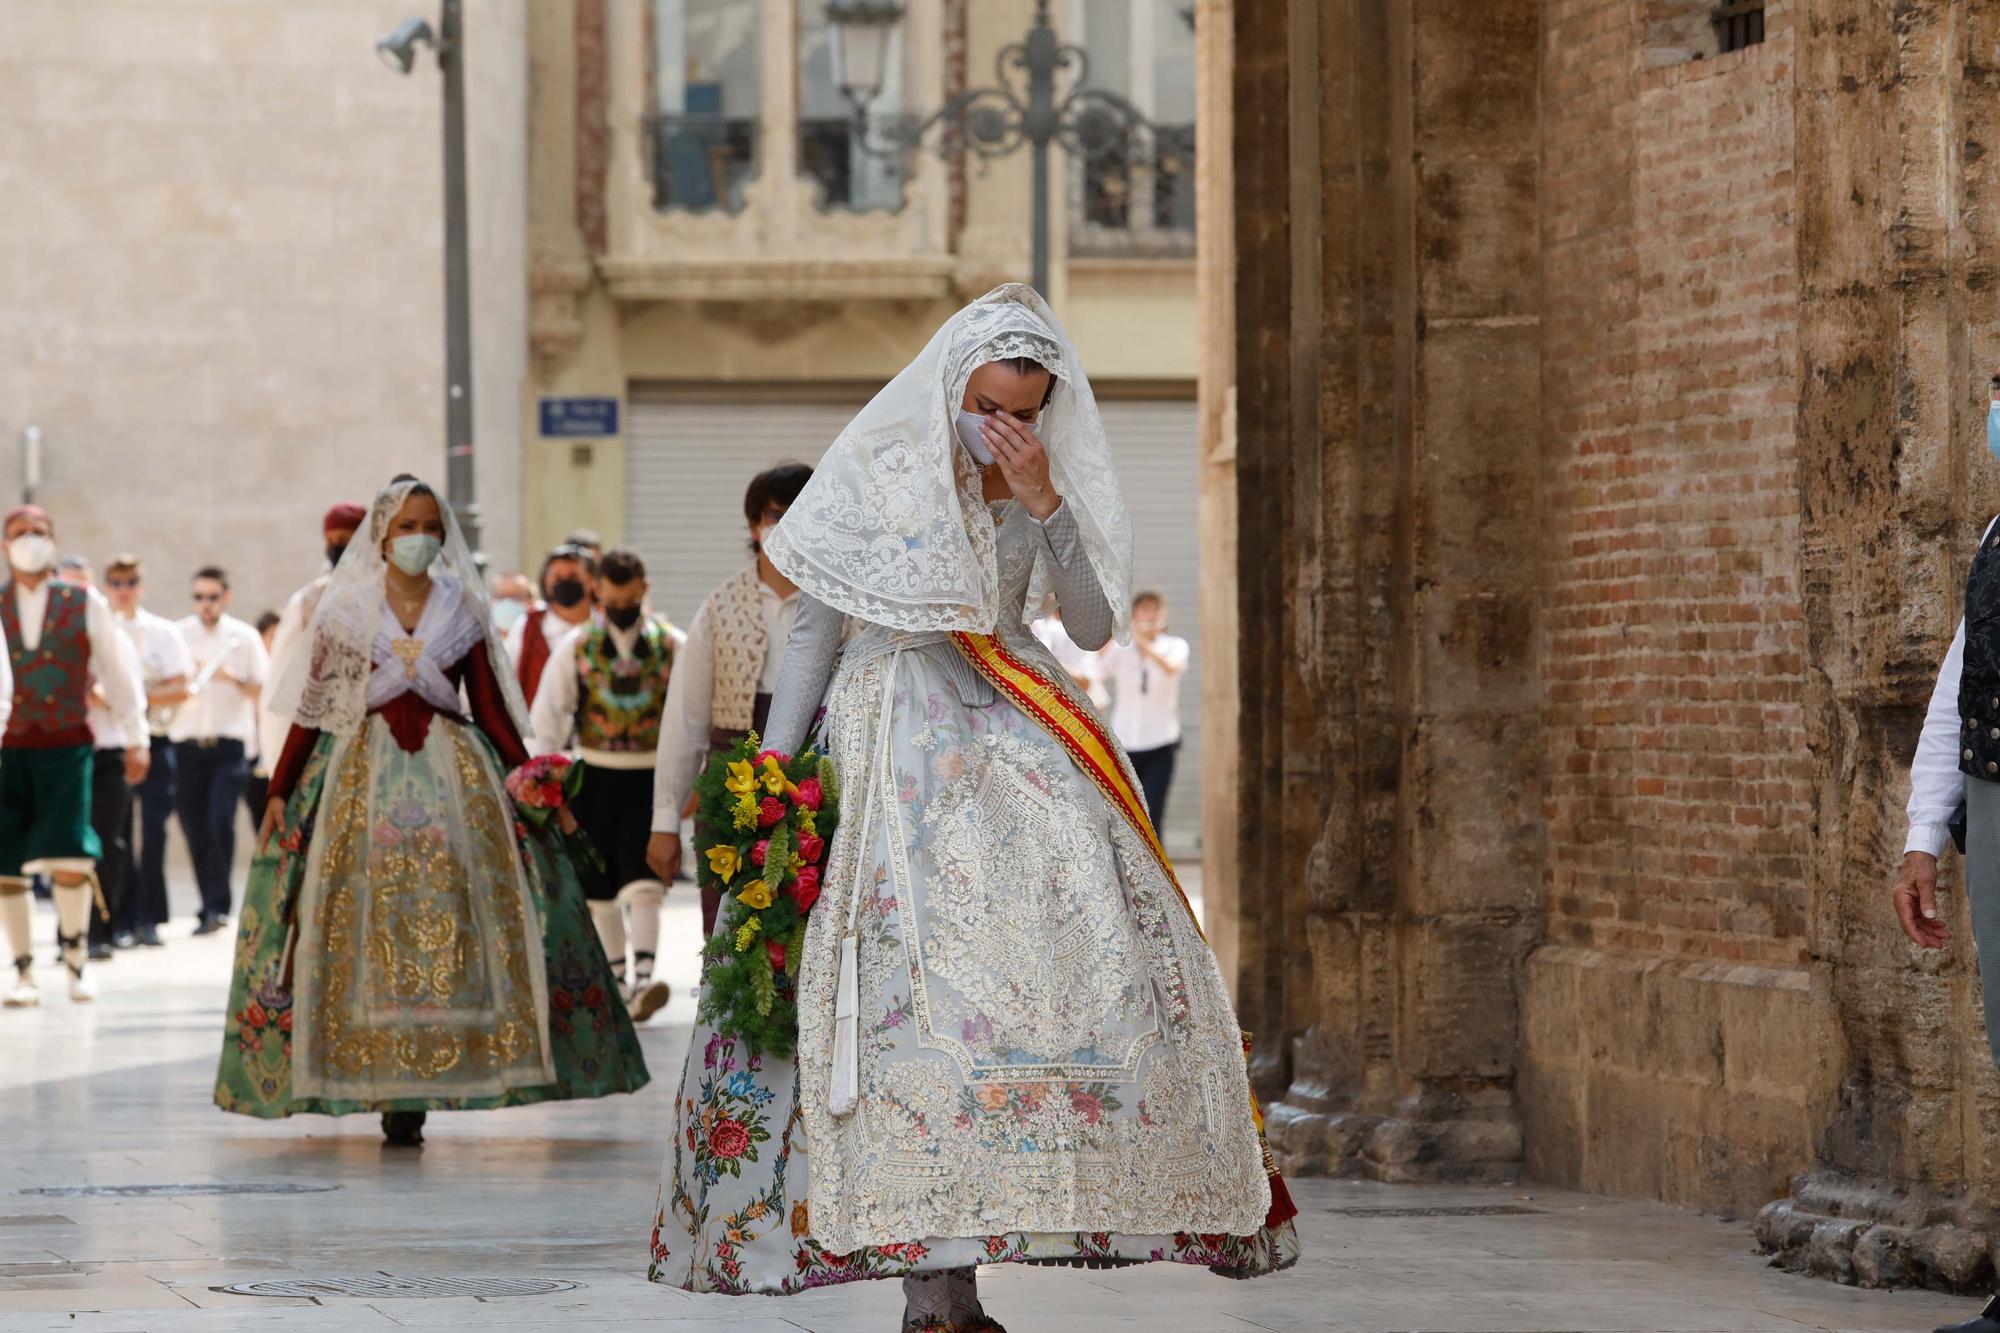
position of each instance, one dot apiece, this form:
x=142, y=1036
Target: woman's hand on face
x=1023, y=462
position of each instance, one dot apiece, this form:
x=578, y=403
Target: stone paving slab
x=118, y=1094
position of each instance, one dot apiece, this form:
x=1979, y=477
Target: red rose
x=1086, y=1106
x=770, y=812
x=810, y=795
x=805, y=889
x=810, y=846
x=778, y=755
x=285, y=1021
x=253, y=1015
x=729, y=1138
x=775, y=951
x=760, y=851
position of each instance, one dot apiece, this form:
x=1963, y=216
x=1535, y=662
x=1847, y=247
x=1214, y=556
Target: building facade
x=717, y=252
x=1592, y=409
x=221, y=272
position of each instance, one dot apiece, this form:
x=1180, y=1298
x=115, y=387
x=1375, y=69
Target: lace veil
x=326, y=686
x=891, y=528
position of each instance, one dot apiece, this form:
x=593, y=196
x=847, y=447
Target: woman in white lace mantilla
x=1038, y=1061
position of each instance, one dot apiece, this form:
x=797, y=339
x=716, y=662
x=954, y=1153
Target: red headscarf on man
x=27, y=511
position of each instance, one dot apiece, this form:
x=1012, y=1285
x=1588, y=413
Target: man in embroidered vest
x=569, y=585
x=59, y=638
x=730, y=666
x=606, y=685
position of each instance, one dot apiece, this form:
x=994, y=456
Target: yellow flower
x=746, y=811
x=774, y=777
x=742, y=778
x=723, y=860
x=747, y=932
x=798, y=863
x=806, y=820
x=755, y=894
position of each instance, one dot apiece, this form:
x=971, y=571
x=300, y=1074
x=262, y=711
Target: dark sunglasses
x=208, y=597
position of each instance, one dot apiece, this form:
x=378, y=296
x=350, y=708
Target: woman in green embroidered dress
x=406, y=943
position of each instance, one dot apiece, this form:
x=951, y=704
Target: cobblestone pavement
x=118, y=1094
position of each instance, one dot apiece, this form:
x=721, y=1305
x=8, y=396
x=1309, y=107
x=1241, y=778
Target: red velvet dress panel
x=409, y=715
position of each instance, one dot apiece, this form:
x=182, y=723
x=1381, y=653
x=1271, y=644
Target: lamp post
x=399, y=51
x=1025, y=105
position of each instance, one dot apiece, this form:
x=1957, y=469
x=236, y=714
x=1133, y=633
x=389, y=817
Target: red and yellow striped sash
x=1052, y=709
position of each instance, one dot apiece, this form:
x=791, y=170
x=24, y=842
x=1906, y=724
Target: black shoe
x=149, y=938
x=208, y=925
x=124, y=939
x=403, y=1129
x=101, y=953
x=1986, y=1321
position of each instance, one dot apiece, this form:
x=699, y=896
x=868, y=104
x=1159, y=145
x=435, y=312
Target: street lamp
x=994, y=122
x=399, y=52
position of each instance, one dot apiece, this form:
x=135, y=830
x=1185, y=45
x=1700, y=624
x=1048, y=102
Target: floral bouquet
x=541, y=790
x=765, y=821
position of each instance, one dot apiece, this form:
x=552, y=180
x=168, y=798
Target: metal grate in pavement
x=176, y=1191
x=387, y=1286
x=34, y=1220
x=1468, y=1210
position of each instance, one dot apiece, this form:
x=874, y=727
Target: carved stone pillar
x=1897, y=130
x=1387, y=304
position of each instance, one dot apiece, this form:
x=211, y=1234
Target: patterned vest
x=52, y=683
x=620, y=699
x=736, y=624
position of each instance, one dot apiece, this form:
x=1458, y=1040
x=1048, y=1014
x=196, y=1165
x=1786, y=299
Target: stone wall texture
x=1604, y=459
x=221, y=273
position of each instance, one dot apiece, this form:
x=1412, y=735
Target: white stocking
x=17, y=907
x=642, y=923
x=610, y=922
x=73, y=904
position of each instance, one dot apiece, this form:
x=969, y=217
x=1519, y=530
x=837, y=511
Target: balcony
x=701, y=163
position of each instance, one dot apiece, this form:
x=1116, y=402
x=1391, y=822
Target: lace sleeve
x=810, y=654
x=1086, y=613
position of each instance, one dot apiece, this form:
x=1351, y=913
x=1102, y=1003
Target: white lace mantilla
x=892, y=529
x=1046, y=1043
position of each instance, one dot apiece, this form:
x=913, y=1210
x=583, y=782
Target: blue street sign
x=580, y=418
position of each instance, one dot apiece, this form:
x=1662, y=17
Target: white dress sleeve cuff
x=1930, y=839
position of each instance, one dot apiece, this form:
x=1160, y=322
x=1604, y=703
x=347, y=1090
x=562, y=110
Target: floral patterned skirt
x=590, y=1044
x=733, y=1216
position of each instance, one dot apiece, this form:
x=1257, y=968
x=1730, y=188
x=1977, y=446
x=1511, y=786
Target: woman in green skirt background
x=407, y=943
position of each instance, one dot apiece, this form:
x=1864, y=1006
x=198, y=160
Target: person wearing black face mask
x=569, y=591
x=605, y=687
x=337, y=528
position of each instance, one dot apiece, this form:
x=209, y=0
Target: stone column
x=1897, y=129
x=1387, y=414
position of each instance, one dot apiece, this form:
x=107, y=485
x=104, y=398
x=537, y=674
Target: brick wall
x=1677, y=796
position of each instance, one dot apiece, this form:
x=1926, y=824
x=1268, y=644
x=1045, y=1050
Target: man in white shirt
x=59, y=638
x=606, y=686
x=337, y=529
x=1145, y=680
x=165, y=668
x=727, y=673
x=214, y=732
x=110, y=792
x=1955, y=794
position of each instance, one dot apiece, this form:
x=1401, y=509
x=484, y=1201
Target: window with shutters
x=704, y=120
x=1135, y=196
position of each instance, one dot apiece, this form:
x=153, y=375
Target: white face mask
x=31, y=552
x=763, y=533
x=968, y=426
x=507, y=613
x=413, y=552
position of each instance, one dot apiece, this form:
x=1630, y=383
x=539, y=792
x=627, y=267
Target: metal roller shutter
x=688, y=462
